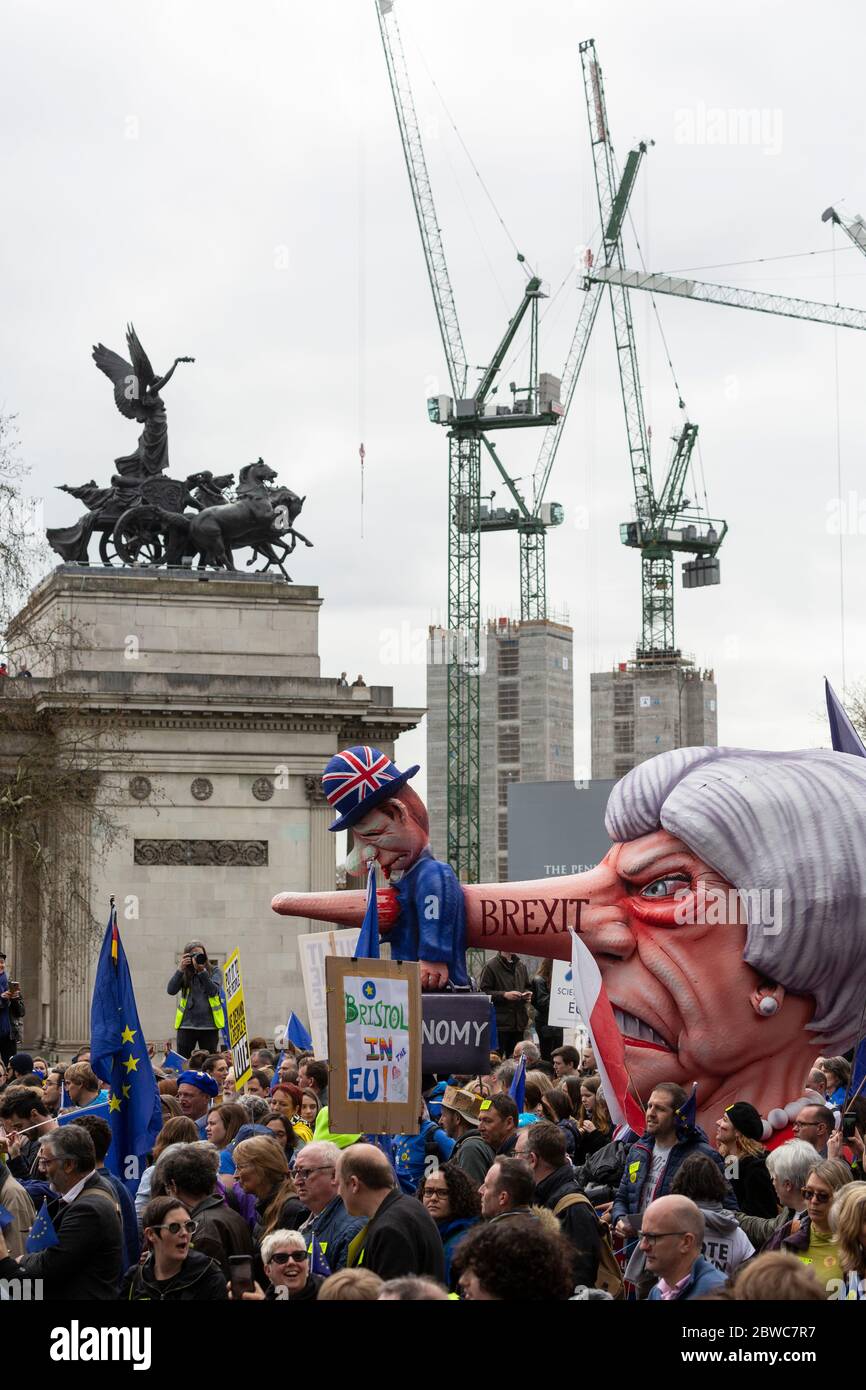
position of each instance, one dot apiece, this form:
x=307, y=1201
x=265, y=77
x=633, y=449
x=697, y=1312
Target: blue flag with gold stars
x=42, y=1233
x=118, y=1054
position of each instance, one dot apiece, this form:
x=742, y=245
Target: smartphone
x=849, y=1124
x=241, y=1274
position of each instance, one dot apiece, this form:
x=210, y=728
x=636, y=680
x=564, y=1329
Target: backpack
x=603, y=1170
x=609, y=1276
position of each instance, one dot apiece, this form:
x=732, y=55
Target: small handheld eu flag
x=318, y=1263
x=42, y=1233
x=517, y=1090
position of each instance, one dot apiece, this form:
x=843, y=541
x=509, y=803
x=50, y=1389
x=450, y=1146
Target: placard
x=374, y=1045
x=237, y=1021
x=313, y=950
x=562, y=1012
x=455, y=1034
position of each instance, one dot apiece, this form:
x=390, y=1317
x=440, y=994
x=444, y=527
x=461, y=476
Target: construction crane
x=468, y=418
x=666, y=523
x=700, y=290
x=853, y=227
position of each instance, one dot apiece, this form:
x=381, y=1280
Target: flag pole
x=848, y=1096
x=632, y=1083
x=852, y=1099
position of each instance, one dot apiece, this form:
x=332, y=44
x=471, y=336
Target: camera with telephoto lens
x=199, y=958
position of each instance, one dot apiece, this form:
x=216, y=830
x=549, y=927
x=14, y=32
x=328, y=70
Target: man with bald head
x=399, y=1237
x=671, y=1234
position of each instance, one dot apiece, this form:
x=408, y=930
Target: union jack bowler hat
x=357, y=779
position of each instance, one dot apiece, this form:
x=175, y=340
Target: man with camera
x=11, y=1010
x=199, y=1015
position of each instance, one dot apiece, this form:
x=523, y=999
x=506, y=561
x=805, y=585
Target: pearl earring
x=768, y=1006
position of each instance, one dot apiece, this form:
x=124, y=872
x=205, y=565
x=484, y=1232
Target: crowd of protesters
x=251, y=1196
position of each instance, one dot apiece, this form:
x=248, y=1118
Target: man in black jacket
x=506, y=979
x=399, y=1237
x=86, y=1217
x=189, y=1173
x=543, y=1146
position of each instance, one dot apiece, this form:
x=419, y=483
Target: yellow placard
x=237, y=1021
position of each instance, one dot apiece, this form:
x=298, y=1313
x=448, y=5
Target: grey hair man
x=86, y=1261
x=789, y=1166
x=315, y=1174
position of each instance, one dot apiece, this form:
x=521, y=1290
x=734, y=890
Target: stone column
x=322, y=844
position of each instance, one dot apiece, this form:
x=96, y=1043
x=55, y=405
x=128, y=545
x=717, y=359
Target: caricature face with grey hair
x=728, y=919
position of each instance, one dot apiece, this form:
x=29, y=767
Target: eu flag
x=318, y=1263
x=42, y=1233
x=368, y=941
x=686, y=1117
x=118, y=1054
x=297, y=1034
x=517, y=1089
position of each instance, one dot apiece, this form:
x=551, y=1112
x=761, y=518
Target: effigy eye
x=666, y=887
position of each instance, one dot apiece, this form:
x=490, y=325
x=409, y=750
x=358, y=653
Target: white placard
x=376, y=1014
x=312, y=950
x=562, y=1011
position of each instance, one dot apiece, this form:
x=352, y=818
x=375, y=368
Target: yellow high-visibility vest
x=216, y=1008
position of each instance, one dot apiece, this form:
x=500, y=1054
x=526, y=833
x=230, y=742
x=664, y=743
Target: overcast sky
x=231, y=180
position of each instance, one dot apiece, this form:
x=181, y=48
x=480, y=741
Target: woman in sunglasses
x=286, y=1261
x=810, y=1237
x=171, y=1271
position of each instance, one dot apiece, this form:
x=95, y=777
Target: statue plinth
x=200, y=622
x=215, y=712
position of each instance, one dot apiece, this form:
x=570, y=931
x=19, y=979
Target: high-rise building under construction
x=643, y=708
x=526, y=725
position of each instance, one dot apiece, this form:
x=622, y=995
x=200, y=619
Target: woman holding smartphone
x=199, y=1015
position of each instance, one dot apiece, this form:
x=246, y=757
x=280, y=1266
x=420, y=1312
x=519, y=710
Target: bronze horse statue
x=259, y=517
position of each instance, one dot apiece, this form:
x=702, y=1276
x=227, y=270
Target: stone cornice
x=366, y=726
x=348, y=720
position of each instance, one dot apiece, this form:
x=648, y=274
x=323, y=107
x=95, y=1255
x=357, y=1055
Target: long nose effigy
x=532, y=918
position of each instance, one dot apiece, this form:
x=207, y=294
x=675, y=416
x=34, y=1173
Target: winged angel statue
x=136, y=395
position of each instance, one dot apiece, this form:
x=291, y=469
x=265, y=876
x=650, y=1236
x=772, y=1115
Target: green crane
x=701, y=291
x=853, y=227
x=467, y=416
x=665, y=523
x=468, y=419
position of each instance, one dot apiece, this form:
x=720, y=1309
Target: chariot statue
x=145, y=517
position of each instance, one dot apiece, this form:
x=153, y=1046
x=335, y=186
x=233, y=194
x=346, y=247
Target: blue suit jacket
x=432, y=921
